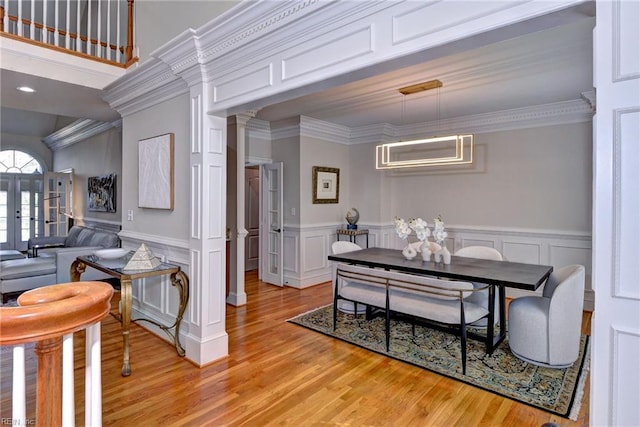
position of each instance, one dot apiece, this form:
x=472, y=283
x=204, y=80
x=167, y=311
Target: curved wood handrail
x=54, y=311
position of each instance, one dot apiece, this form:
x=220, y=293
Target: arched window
x=14, y=161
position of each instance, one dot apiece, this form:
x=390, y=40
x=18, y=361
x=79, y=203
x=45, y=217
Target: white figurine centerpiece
x=439, y=234
x=421, y=229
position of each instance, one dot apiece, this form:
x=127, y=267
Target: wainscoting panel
x=521, y=252
x=519, y=245
x=155, y=297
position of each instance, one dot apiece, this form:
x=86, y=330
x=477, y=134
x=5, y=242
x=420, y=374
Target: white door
x=271, y=232
x=57, y=203
x=20, y=209
x=615, y=382
x=252, y=218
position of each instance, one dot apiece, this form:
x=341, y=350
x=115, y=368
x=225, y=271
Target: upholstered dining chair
x=482, y=298
x=545, y=330
x=340, y=247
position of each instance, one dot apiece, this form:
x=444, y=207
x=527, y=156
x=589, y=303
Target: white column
x=237, y=295
x=207, y=339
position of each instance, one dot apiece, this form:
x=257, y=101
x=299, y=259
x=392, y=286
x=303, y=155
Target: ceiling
x=539, y=68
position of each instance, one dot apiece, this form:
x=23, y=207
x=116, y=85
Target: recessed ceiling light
x=26, y=89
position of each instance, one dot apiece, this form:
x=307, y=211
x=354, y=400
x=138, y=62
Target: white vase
x=409, y=253
x=437, y=256
x=425, y=251
x=446, y=255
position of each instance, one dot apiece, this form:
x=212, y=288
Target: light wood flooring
x=280, y=374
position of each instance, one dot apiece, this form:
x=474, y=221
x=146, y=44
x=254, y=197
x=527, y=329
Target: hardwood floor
x=281, y=374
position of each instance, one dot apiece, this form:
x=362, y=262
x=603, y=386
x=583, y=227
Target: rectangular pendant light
x=438, y=151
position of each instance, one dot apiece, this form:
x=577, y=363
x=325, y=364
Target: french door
x=271, y=233
x=21, y=214
x=57, y=203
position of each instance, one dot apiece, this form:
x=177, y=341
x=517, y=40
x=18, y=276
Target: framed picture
x=156, y=172
x=326, y=185
x=102, y=193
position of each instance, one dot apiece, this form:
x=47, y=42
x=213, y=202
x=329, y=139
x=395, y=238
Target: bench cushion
x=7, y=254
x=27, y=267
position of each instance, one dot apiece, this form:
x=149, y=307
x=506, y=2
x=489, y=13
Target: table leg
x=494, y=340
x=180, y=281
x=125, y=298
x=76, y=270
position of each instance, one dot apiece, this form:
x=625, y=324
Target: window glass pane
x=14, y=161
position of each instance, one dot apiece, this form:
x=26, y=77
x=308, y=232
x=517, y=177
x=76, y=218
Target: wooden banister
x=46, y=30
x=44, y=316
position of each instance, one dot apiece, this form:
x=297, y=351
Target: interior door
x=252, y=217
x=271, y=232
x=20, y=209
x=57, y=203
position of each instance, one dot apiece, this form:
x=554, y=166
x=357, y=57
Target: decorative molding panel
x=626, y=33
x=239, y=85
x=626, y=202
x=625, y=352
x=341, y=47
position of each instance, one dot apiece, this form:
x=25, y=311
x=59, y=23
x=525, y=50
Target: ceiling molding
x=575, y=111
x=78, y=131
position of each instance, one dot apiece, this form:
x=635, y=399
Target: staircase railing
x=96, y=29
x=49, y=317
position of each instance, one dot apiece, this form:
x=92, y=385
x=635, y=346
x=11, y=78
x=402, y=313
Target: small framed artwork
x=102, y=193
x=156, y=172
x=326, y=185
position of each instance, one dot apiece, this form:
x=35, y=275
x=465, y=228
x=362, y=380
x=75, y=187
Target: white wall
x=98, y=155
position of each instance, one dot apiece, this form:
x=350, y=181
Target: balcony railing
x=48, y=317
x=96, y=29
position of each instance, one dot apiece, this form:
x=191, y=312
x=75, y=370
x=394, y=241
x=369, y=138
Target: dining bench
x=439, y=302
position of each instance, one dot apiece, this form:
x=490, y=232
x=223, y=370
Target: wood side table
x=353, y=234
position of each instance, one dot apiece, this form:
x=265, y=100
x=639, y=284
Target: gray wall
x=316, y=152
x=171, y=116
x=95, y=156
x=157, y=22
x=536, y=178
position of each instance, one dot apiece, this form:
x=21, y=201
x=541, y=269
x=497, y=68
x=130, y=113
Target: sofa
x=54, y=259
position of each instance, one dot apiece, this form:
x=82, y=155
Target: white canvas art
x=155, y=172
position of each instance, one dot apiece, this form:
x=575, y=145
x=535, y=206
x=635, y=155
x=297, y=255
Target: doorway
x=252, y=217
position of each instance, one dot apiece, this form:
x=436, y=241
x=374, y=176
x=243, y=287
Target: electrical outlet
x=293, y=211
x=130, y=215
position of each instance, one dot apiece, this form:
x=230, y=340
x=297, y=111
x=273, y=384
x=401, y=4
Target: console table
x=353, y=234
x=115, y=268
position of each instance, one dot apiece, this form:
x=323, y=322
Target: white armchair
x=545, y=330
x=482, y=298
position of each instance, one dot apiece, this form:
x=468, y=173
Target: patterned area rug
x=558, y=391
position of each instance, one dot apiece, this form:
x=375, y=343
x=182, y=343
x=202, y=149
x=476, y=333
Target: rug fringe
x=307, y=312
x=575, y=410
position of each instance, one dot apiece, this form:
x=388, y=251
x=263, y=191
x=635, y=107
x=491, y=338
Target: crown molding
x=575, y=111
x=78, y=131
x=148, y=85
x=566, y=112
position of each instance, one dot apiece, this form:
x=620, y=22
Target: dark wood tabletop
x=501, y=273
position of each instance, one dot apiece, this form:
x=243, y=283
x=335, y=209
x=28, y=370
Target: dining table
x=500, y=274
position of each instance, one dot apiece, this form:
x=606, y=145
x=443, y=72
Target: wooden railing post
x=44, y=316
x=129, y=49
x=49, y=397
